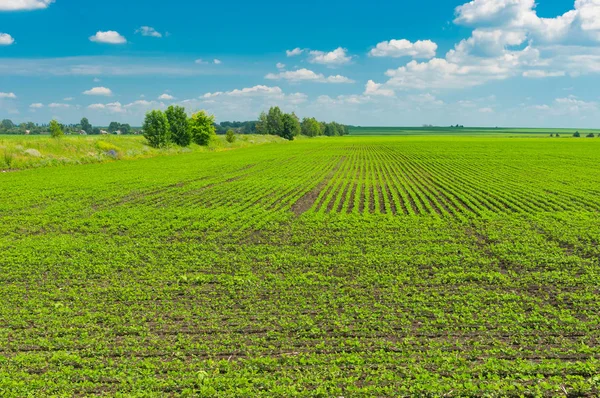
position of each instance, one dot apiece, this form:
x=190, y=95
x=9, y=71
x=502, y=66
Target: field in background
x=22, y=152
x=351, y=266
x=449, y=131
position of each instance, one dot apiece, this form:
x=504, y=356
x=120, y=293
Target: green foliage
x=230, y=136
x=156, y=129
x=86, y=125
x=180, y=129
x=7, y=124
x=202, y=128
x=311, y=127
x=576, y=134
x=114, y=126
x=9, y=157
x=262, y=124
x=274, y=121
x=55, y=129
x=290, y=126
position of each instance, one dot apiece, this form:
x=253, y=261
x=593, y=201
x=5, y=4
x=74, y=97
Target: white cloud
x=486, y=110
x=24, y=5
x=426, y=99
x=404, y=48
x=113, y=107
x=280, y=65
x=36, y=105
x=248, y=92
x=148, y=31
x=108, y=37
x=307, y=75
x=336, y=57
x=96, y=80
x=8, y=95
x=68, y=99
x=538, y=74
x=99, y=91
x=294, y=52
x=217, y=62
x=55, y=105
x=201, y=62
x=373, y=88
x=570, y=105
x=166, y=97
x=6, y=39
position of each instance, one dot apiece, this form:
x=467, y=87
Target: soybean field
x=331, y=267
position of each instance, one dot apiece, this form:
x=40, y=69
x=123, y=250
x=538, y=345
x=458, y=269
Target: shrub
x=590, y=135
x=9, y=157
x=576, y=134
x=230, y=136
x=156, y=129
x=202, y=128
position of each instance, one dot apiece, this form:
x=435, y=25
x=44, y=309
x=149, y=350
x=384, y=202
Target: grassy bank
x=23, y=152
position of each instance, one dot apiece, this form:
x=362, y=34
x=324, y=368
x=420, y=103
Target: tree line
x=288, y=125
x=29, y=128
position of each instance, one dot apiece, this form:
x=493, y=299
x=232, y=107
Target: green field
x=352, y=266
x=468, y=131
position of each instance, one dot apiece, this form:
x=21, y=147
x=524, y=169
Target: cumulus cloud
x=296, y=51
x=8, y=95
x=148, y=31
x=108, y=37
x=404, y=48
x=336, y=57
x=99, y=91
x=24, y=5
x=372, y=88
x=570, y=105
x=217, y=61
x=539, y=74
x=166, y=97
x=6, y=39
x=256, y=91
x=307, y=75
x=36, y=105
x=280, y=65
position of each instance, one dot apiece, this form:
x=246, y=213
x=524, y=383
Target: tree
x=577, y=135
x=7, y=124
x=202, y=128
x=55, y=129
x=331, y=130
x=311, y=127
x=180, y=130
x=590, y=135
x=261, y=125
x=156, y=129
x=125, y=128
x=274, y=121
x=113, y=126
x=230, y=136
x=290, y=126
x=86, y=125
x=96, y=131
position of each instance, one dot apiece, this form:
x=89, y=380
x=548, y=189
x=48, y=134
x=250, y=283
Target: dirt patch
x=307, y=201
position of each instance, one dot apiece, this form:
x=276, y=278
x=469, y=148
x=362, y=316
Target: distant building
x=27, y=132
x=82, y=132
x=118, y=132
x=104, y=132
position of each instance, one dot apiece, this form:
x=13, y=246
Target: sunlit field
x=347, y=266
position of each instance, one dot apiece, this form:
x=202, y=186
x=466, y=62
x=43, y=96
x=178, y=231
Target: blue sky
x=477, y=63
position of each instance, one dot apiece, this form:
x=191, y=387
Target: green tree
x=331, y=130
x=125, y=128
x=202, y=128
x=180, y=129
x=86, y=125
x=7, y=124
x=261, y=125
x=290, y=126
x=230, y=136
x=55, y=129
x=311, y=127
x=577, y=135
x=156, y=129
x=96, y=131
x=113, y=126
x=275, y=121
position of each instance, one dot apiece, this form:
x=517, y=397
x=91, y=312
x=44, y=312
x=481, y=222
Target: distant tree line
x=30, y=128
x=288, y=125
